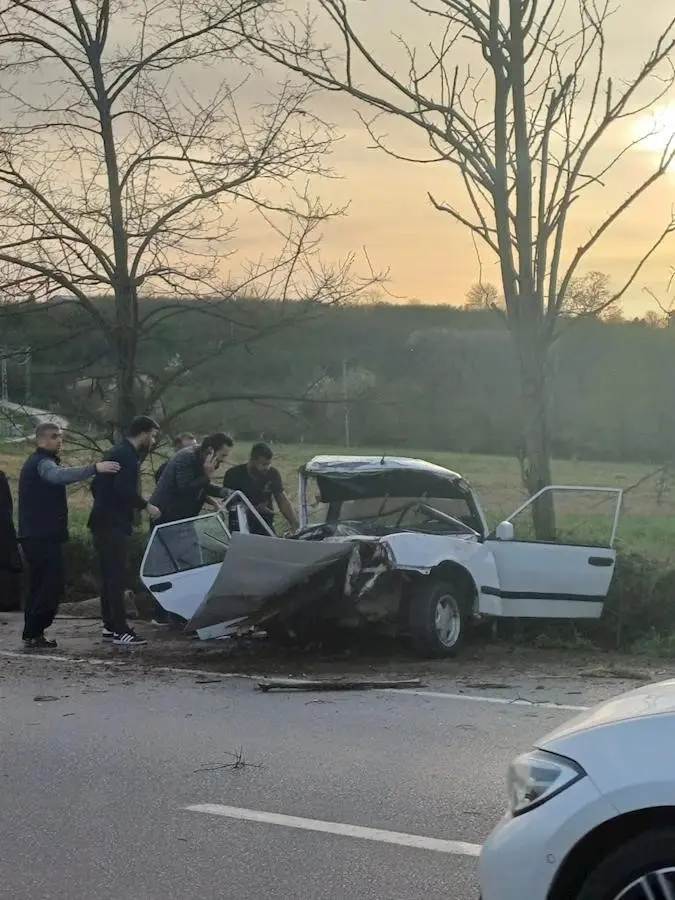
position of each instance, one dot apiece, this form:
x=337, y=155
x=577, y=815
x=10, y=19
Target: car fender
x=424, y=554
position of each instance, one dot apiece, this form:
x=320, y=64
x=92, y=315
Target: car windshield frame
x=332, y=512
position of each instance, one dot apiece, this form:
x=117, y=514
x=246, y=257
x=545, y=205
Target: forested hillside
x=438, y=377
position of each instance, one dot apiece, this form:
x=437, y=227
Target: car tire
x=437, y=618
x=617, y=876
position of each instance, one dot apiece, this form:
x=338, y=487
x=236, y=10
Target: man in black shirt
x=261, y=483
x=116, y=500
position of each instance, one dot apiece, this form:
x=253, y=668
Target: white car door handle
x=161, y=587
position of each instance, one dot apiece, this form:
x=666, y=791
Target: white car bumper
x=520, y=859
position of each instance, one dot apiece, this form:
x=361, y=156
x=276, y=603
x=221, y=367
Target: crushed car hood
x=259, y=578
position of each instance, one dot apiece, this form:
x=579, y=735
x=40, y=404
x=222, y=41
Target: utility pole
x=345, y=405
x=5, y=425
x=4, y=383
x=28, y=376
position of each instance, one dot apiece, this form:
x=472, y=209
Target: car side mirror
x=505, y=531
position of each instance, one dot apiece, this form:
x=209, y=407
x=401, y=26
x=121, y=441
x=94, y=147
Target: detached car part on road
x=592, y=808
x=396, y=544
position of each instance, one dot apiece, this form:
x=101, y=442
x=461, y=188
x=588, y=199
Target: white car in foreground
x=592, y=808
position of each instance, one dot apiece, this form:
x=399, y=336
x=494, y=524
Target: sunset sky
x=432, y=259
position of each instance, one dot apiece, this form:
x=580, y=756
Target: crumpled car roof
x=343, y=478
x=373, y=465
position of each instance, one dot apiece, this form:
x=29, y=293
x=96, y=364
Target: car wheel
x=437, y=618
x=641, y=869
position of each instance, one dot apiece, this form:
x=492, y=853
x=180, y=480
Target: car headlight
x=537, y=776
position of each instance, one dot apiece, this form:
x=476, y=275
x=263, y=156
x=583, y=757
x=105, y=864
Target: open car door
x=182, y=560
x=566, y=578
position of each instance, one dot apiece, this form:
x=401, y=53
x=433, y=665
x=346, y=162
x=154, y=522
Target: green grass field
x=647, y=523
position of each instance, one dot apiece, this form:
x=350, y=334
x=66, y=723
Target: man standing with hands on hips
x=43, y=528
x=116, y=500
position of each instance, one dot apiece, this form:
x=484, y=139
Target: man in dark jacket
x=181, y=492
x=10, y=558
x=184, y=441
x=116, y=501
x=186, y=481
x=43, y=528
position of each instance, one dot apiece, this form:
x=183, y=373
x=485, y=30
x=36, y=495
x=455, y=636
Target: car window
x=181, y=546
x=405, y=511
x=584, y=518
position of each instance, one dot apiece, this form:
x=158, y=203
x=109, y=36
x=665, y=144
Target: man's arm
x=212, y=490
x=287, y=511
x=51, y=472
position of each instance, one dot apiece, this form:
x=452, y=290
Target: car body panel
x=521, y=857
x=182, y=560
x=626, y=745
x=510, y=578
x=625, y=748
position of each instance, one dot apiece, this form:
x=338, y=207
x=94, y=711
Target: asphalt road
x=97, y=784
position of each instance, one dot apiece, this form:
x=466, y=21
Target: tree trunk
x=532, y=353
x=125, y=360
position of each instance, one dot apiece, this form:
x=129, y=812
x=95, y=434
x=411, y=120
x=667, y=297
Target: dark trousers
x=112, y=548
x=45, y=586
x=10, y=591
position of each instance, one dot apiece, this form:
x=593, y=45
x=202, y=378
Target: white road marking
x=477, y=698
x=417, y=841
x=208, y=673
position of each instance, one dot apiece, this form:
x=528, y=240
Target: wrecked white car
x=395, y=544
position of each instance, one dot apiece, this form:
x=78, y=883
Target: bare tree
x=484, y=295
x=590, y=296
x=131, y=133
x=516, y=97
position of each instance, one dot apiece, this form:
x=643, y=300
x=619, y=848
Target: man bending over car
x=261, y=483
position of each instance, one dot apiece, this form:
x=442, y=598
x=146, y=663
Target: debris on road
x=237, y=763
x=45, y=699
x=335, y=684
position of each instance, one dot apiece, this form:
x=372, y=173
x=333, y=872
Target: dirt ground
x=480, y=666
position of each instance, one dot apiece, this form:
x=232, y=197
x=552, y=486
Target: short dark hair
x=182, y=437
x=261, y=450
x=216, y=441
x=45, y=428
x=142, y=424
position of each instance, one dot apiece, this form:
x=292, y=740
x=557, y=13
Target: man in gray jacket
x=43, y=528
x=183, y=488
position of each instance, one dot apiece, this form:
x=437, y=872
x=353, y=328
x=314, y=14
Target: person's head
x=143, y=433
x=261, y=458
x=184, y=440
x=49, y=437
x=220, y=444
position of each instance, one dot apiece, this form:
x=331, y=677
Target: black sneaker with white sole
x=107, y=634
x=129, y=639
